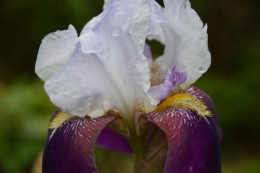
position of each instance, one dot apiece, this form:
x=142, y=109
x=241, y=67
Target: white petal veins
x=55, y=51
x=114, y=79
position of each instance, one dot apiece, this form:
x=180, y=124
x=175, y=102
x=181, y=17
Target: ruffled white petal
x=116, y=78
x=55, y=51
x=95, y=20
x=185, y=42
x=157, y=17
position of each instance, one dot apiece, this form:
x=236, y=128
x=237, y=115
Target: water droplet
x=116, y=31
x=67, y=92
x=131, y=29
x=202, y=68
x=81, y=106
x=103, y=56
x=136, y=16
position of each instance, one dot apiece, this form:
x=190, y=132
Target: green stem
x=137, y=144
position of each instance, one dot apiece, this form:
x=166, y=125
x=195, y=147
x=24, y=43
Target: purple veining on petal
x=71, y=147
x=172, y=80
x=108, y=139
x=194, y=143
x=208, y=102
x=147, y=51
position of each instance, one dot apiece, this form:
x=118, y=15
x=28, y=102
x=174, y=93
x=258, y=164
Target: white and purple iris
x=112, y=94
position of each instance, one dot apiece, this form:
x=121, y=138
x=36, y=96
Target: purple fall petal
x=71, y=148
x=208, y=102
x=108, y=139
x=194, y=142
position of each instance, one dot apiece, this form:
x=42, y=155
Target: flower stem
x=137, y=144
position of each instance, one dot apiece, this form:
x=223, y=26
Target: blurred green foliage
x=232, y=81
x=25, y=112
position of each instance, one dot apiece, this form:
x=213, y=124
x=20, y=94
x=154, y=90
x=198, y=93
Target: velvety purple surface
x=207, y=101
x=71, y=148
x=194, y=143
x=108, y=139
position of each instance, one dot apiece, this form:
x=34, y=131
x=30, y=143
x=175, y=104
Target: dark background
x=233, y=80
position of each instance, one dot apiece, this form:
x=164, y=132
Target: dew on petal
x=116, y=31
x=136, y=16
x=131, y=29
x=67, y=93
x=81, y=106
x=203, y=68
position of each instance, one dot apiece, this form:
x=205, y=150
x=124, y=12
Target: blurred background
x=232, y=81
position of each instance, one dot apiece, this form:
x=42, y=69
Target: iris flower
x=109, y=91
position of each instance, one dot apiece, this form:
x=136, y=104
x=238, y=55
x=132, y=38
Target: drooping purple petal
x=208, y=102
x=193, y=142
x=70, y=149
x=108, y=139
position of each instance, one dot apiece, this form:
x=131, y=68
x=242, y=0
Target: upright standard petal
x=185, y=42
x=71, y=147
x=157, y=17
x=114, y=76
x=194, y=141
x=55, y=51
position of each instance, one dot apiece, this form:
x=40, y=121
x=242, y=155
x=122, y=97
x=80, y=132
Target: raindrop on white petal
x=81, y=106
x=203, y=68
x=131, y=29
x=103, y=56
x=121, y=12
x=67, y=93
x=136, y=16
x=116, y=31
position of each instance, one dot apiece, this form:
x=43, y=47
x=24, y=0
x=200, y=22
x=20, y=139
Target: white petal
x=83, y=87
x=95, y=20
x=92, y=23
x=55, y=51
x=117, y=78
x=157, y=17
x=185, y=42
x=105, y=4
x=92, y=43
